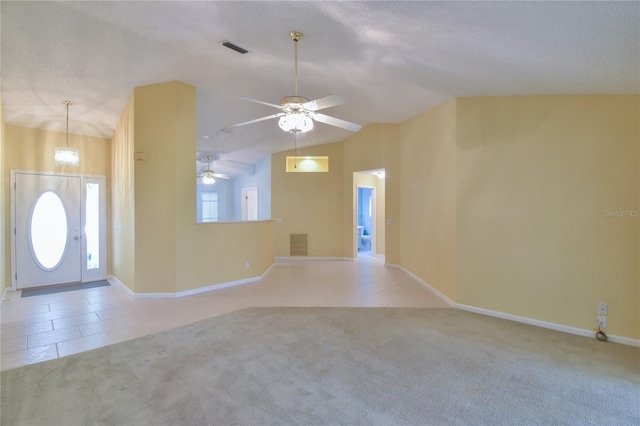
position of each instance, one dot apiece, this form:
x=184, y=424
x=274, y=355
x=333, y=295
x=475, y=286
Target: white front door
x=48, y=246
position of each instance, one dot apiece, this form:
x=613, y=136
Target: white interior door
x=48, y=233
x=250, y=204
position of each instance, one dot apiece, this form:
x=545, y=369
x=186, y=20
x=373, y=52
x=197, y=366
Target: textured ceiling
x=389, y=60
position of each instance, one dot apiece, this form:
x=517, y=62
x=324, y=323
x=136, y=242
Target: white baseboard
x=213, y=287
x=549, y=325
x=423, y=283
x=217, y=286
x=264, y=274
x=350, y=259
x=544, y=324
x=310, y=258
x=4, y=293
x=114, y=280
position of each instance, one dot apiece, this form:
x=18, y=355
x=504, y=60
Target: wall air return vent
x=227, y=43
x=297, y=244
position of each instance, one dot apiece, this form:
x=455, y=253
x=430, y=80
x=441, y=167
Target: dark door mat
x=63, y=288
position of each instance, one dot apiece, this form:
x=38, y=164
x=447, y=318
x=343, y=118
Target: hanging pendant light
x=64, y=155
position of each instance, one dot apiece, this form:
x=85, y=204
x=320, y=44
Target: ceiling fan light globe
x=207, y=178
x=296, y=122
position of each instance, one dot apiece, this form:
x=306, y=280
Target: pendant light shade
x=65, y=156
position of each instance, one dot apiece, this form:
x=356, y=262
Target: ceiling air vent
x=227, y=43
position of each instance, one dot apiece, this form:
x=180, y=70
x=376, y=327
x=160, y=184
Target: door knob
x=76, y=237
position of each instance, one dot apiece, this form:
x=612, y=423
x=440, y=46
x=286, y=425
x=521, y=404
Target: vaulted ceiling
x=389, y=60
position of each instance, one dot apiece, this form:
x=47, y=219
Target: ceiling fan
x=208, y=175
x=298, y=113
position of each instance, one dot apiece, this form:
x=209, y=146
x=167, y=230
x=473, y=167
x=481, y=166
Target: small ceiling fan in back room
x=298, y=113
x=208, y=175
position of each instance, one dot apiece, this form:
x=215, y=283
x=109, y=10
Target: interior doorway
x=366, y=219
x=250, y=203
x=59, y=229
x=369, y=213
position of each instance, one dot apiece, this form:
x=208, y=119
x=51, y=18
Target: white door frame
x=87, y=275
x=245, y=204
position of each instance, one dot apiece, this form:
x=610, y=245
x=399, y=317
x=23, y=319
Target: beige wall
x=5, y=280
x=309, y=203
x=171, y=252
x=123, y=205
x=535, y=176
x=322, y=205
x=216, y=252
x=499, y=203
x=209, y=254
x=33, y=149
x=504, y=198
x=427, y=218
x=156, y=134
x=374, y=147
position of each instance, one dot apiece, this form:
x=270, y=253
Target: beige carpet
x=325, y=366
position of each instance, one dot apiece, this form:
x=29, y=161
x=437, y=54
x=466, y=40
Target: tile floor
x=40, y=328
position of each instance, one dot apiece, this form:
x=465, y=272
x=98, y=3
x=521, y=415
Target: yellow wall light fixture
x=66, y=156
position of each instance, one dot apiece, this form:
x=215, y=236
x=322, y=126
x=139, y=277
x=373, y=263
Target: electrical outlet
x=602, y=321
x=246, y=265
x=602, y=308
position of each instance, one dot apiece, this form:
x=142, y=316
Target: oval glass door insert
x=48, y=230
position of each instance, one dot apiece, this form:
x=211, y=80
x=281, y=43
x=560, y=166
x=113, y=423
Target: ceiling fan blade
x=332, y=121
x=259, y=119
x=322, y=103
x=221, y=175
x=259, y=102
x=216, y=175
